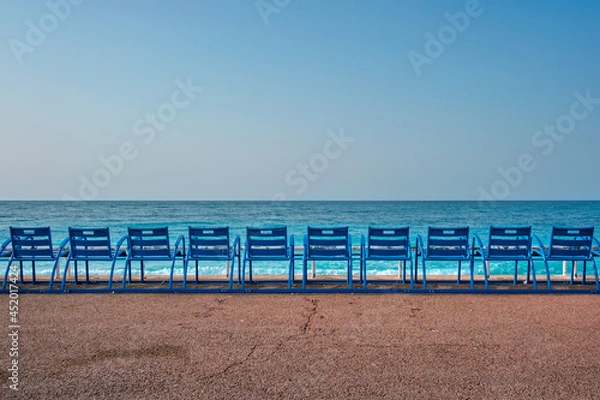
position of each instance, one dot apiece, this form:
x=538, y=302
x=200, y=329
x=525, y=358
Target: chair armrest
x=541, y=245
x=180, y=239
x=420, y=246
x=237, y=245
x=363, y=246
x=349, y=246
x=305, y=247
x=480, y=243
x=291, y=249
x=61, y=248
x=4, y=246
x=595, y=241
x=118, y=246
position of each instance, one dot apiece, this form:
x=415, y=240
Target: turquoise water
x=297, y=216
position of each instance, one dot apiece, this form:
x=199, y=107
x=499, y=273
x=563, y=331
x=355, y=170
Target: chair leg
x=197, y=280
x=584, y=272
x=87, y=272
x=304, y=273
x=516, y=270
x=33, y=271
x=112, y=272
x=142, y=271
x=64, y=278
x=230, y=273
x=291, y=273
x=21, y=271
x=596, y=274
x=250, y=271
x=459, y=271
x=364, y=266
x=403, y=272
x=424, y=275
x=471, y=273
x=572, y=272
x=76, y=272
x=239, y=257
x=350, y=275
x=243, y=282
x=412, y=281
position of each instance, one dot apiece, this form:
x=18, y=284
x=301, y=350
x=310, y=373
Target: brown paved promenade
x=305, y=346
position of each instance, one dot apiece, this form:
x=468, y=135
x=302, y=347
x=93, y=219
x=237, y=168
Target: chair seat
x=329, y=258
x=210, y=258
x=399, y=257
x=507, y=258
x=447, y=258
x=570, y=258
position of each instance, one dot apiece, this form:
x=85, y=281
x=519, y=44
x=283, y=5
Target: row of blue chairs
x=85, y=245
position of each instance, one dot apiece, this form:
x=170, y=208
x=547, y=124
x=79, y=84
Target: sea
x=297, y=215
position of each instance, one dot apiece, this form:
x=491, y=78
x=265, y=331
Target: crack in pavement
x=309, y=320
x=229, y=367
x=238, y=363
x=305, y=330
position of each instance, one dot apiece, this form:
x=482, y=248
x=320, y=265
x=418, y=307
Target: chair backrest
x=208, y=242
x=267, y=242
x=31, y=242
x=149, y=242
x=571, y=242
x=92, y=242
x=328, y=242
x=384, y=242
x=448, y=242
x=509, y=241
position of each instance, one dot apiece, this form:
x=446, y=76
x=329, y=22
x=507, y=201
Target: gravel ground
x=305, y=346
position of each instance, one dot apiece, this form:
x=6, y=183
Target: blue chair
x=91, y=244
x=212, y=244
x=33, y=245
x=151, y=244
x=508, y=244
x=387, y=244
x=327, y=244
x=445, y=244
x=268, y=244
x=571, y=244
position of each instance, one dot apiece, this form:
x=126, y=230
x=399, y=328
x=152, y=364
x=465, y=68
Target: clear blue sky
x=274, y=94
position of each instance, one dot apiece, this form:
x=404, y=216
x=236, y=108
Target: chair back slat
x=448, y=232
x=392, y=242
x=384, y=252
x=571, y=242
x=208, y=242
x=31, y=242
x=509, y=241
x=149, y=242
x=448, y=242
x=510, y=231
x=267, y=242
x=90, y=242
x=444, y=252
x=328, y=242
